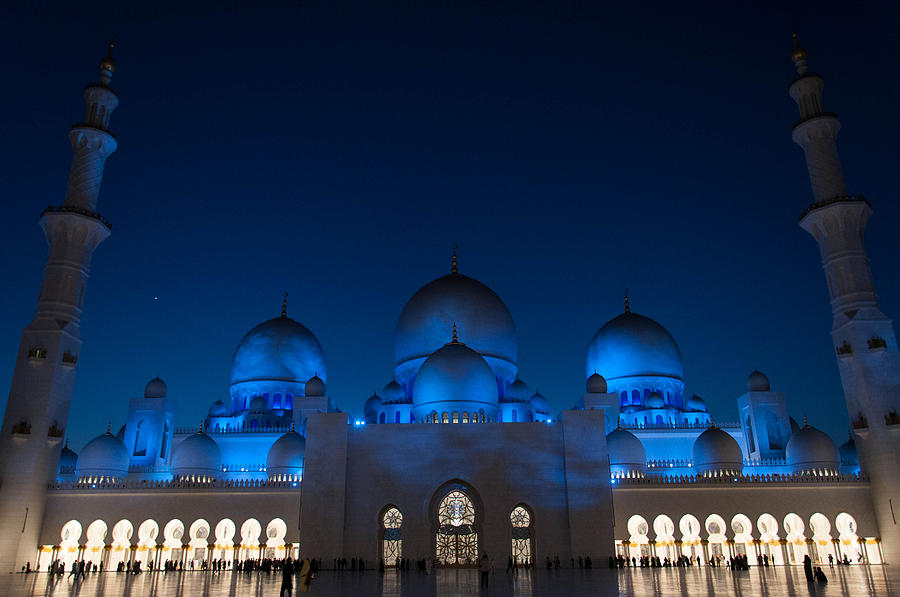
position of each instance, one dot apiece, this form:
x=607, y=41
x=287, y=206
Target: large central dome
x=479, y=314
x=632, y=345
x=279, y=349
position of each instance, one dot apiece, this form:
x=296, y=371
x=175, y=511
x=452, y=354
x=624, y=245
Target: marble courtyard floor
x=643, y=582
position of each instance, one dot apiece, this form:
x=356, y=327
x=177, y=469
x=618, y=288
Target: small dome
x=198, y=454
x=539, y=404
x=218, y=409
x=655, y=400
x=372, y=408
x=103, y=456
x=811, y=450
x=696, y=403
x=626, y=452
x=631, y=345
x=68, y=459
x=315, y=386
x=758, y=382
x=286, y=455
x=455, y=377
x=847, y=452
x=716, y=451
x=392, y=392
x=259, y=405
x=596, y=384
x=518, y=390
x=155, y=388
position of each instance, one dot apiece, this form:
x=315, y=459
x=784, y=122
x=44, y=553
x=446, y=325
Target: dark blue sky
x=337, y=152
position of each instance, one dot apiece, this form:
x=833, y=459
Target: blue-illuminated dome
x=198, y=454
x=392, y=392
x=596, y=384
x=455, y=379
x=481, y=317
x=715, y=451
x=103, y=456
x=315, y=386
x=279, y=349
x=758, y=382
x=372, y=408
x=626, y=453
x=848, y=454
x=68, y=459
x=655, y=400
x=155, y=388
x=259, y=405
x=539, y=404
x=811, y=450
x=518, y=390
x=696, y=403
x=286, y=455
x=631, y=345
x=218, y=409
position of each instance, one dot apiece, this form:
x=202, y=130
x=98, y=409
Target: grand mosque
x=635, y=467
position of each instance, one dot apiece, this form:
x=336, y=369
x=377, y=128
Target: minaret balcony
x=54, y=209
x=839, y=199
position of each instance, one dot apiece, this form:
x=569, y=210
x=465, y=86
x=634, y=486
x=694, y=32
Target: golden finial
x=627, y=304
x=284, y=305
x=201, y=425
x=455, y=339
x=454, y=266
x=798, y=55
x=618, y=422
x=109, y=428
x=292, y=425
x=805, y=422
x=108, y=64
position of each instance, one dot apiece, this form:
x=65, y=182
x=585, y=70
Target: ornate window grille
x=520, y=518
x=392, y=537
x=456, y=540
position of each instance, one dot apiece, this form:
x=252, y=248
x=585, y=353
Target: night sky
x=338, y=152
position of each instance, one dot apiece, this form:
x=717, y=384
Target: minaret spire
x=37, y=411
x=863, y=337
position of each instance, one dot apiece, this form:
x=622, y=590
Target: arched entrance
x=456, y=540
x=391, y=536
x=522, y=520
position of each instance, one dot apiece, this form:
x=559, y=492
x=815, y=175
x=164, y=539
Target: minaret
x=864, y=340
x=41, y=391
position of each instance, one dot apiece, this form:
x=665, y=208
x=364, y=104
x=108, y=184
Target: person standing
x=830, y=561
x=287, y=578
x=807, y=568
x=484, y=570
x=306, y=577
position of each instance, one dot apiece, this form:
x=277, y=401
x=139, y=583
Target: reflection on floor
x=775, y=582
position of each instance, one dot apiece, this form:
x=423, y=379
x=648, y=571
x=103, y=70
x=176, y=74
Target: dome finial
x=292, y=425
x=107, y=66
x=805, y=422
x=799, y=56
x=627, y=304
x=109, y=428
x=454, y=266
x=284, y=305
x=455, y=339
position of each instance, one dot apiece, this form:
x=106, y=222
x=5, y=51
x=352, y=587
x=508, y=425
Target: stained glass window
x=392, y=541
x=520, y=518
x=456, y=540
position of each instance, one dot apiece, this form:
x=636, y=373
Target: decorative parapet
x=678, y=426
x=730, y=480
x=77, y=210
x=213, y=430
x=175, y=484
x=167, y=468
x=839, y=199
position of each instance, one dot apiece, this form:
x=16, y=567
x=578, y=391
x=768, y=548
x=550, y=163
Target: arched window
x=635, y=396
x=289, y=402
x=381, y=418
x=751, y=443
x=411, y=418
x=456, y=416
x=774, y=432
x=624, y=397
x=392, y=537
x=140, y=440
x=397, y=417
x=515, y=415
x=164, y=446
x=276, y=401
x=456, y=543
x=445, y=417
x=520, y=518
